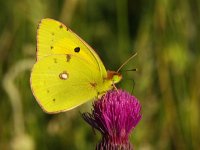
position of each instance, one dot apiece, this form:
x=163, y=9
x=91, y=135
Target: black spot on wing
x=51, y=47
x=77, y=49
x=93, y=84
x=61, y=26
x=52, y=33
x=68, y=57
x=55, y=60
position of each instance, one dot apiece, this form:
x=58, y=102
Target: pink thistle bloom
x=115, y=115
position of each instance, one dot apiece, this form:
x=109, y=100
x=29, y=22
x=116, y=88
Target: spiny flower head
x=115, y=115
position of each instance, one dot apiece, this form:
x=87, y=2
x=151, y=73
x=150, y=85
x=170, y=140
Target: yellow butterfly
x=68, y=72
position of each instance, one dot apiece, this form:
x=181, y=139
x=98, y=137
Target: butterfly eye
x=116, y=78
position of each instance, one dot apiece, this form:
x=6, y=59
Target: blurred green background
x=164, y=33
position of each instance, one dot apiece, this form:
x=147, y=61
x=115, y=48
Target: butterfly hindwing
x=62, y=82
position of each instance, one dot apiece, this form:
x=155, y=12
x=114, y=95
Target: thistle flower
x=114, y=116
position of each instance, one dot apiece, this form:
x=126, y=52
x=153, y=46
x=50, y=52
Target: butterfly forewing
x=54, y=37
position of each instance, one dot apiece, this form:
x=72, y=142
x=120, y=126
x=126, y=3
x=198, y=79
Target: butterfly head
x=115, y=77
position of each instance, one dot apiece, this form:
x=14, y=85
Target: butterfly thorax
x=107, y=83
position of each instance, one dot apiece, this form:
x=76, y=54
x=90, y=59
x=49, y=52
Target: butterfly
x=67, y=72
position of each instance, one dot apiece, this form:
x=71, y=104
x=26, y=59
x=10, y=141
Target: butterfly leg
x=114, y=87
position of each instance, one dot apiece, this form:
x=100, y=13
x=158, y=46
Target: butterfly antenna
x=126, y=62
x=134, y=69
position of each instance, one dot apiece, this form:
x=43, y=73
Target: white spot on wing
x=64, y=75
